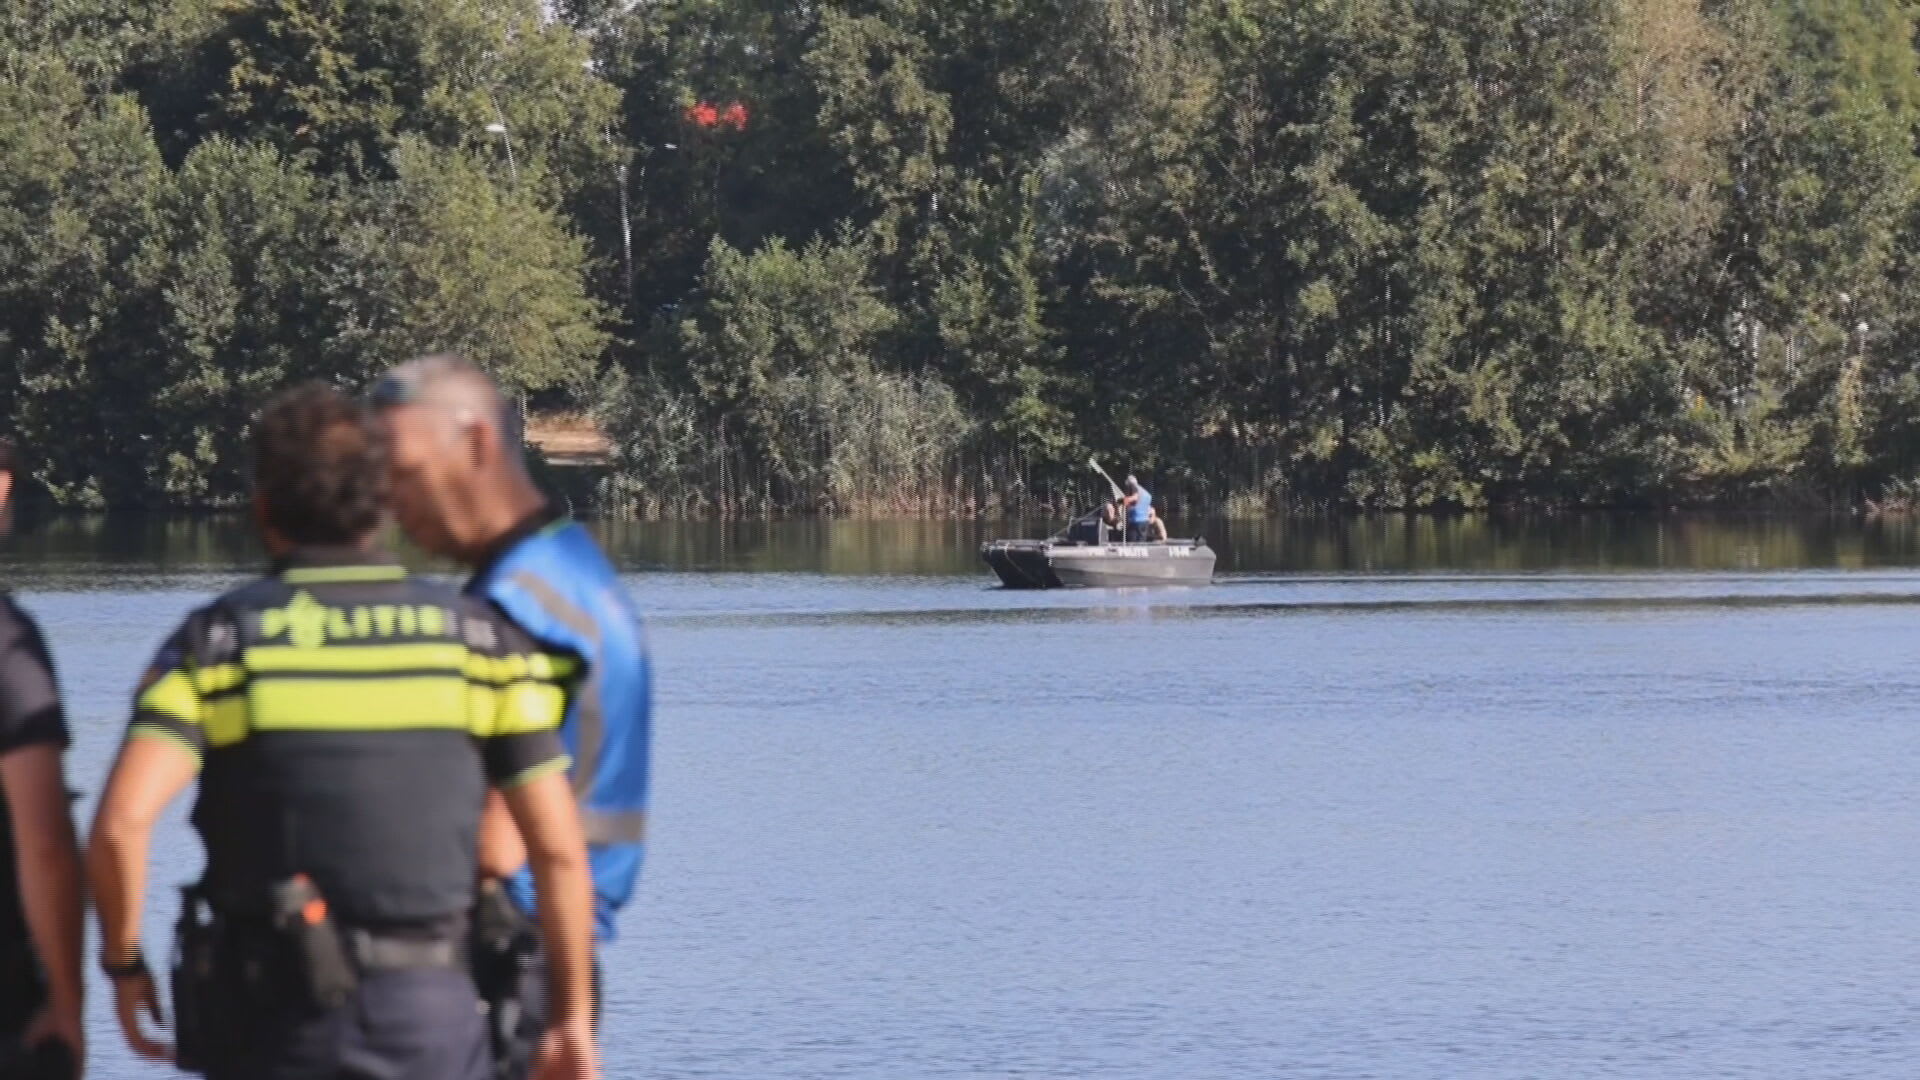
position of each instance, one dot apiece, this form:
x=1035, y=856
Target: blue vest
x=1138, y=512
x=558, y=586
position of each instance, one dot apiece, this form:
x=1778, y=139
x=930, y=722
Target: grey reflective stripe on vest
x=593, y=726
x=612, y=828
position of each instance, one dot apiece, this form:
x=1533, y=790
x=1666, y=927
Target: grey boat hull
x=1042, y=564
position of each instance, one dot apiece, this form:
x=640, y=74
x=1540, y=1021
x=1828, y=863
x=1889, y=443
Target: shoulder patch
x=479, y=633
x=222, y=638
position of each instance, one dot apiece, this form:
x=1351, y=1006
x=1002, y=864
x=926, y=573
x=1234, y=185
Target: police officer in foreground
x=461, y=490
x=345, y=722
x=40, y=896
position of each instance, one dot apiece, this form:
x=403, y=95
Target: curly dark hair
x=319, y=466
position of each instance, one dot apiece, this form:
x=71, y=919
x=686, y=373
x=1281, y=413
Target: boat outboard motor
x=1085, y=529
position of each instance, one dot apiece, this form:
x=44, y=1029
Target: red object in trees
x=706, y=114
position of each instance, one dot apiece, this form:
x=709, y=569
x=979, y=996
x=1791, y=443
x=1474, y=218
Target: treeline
x=893, y=255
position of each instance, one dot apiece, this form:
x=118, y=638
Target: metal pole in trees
x=506, y=139
x=626, y=214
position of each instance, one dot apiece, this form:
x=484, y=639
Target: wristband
x=135, y=966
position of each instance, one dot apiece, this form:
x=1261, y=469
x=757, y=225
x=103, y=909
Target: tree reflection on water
x=1380, y=543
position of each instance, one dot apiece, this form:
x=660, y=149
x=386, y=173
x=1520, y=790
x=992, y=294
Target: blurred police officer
x=345, y=721
x=40, y=895
x=461, y=490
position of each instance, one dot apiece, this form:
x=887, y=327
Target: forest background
x=896, y=256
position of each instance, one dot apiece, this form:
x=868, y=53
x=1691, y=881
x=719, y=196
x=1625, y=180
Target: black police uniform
x=349, y=719
x=30, y=715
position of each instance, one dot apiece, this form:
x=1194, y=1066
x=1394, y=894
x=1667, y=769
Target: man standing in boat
x=1138, y=503
x=461, y=490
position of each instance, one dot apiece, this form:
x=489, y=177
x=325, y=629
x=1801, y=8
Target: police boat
x=1079, y=557
x=1091, y=553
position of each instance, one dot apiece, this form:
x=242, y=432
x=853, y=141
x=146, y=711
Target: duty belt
x=384, y=952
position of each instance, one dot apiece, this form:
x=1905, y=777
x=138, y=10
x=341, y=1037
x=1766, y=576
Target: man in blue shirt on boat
x=1138, y=503
x=461, y=490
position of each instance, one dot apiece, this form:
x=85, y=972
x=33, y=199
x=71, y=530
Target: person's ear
x=6, y=487
x=277, y=545
x=479, y=438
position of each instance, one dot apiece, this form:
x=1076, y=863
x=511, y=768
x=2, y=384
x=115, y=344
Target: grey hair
x=456, y=388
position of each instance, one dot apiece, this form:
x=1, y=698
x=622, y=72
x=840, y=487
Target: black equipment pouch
x=505, y=951
x=322, y=976
x=195, y=979
x=51, y=1060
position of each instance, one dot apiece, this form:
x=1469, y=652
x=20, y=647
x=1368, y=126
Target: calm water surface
x=1468, y=798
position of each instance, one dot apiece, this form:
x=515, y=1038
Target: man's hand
x=567, y=1053
x=131, y=995
x=61, y=1024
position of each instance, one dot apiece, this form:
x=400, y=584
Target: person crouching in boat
x=1156, y=526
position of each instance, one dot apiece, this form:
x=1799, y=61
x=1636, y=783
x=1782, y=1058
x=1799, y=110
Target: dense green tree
x=80, y=293
x=775, y=177
x=777, y=312
x=780, y=351
x=844, y=256
x=989, y=312
x=148, y=309
x=337, y=83
x=245, y=263
x=878, y=113
x=446, y=256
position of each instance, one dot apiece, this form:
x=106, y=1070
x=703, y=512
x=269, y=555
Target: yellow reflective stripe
x=517, y=709
x=320, y=575
x=292, y=704
x=499, y=670
x=483, y=705
x=546, y=768
x=218, y=678
x=494, y=670
x=226, y=721
x=529, y=706
x=517, y=694
x=359, y=659
x=158, y=733
x=171, y=695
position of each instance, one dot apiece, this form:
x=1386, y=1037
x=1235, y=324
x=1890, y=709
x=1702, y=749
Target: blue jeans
x=419, y=1024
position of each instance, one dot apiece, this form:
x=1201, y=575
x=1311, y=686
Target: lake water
x=1571, y=797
